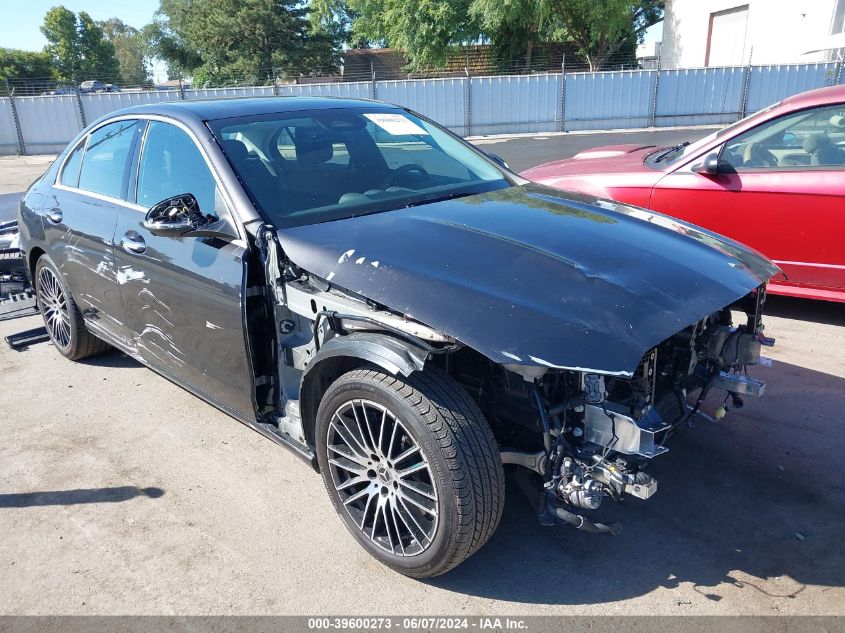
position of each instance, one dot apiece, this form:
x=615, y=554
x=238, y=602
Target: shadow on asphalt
x=74, y=497
x=113, y=359
x=826, y=312
x=758, y=495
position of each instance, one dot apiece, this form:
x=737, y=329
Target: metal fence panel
x=48, y=123
x=443, y=100
x=516, y=103
x=770, y=84
x=8, y=135
x=699, y=96
x=102, y=103
x=608, y=100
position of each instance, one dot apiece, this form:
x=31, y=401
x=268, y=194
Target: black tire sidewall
x=46, y=262
x=437, y=555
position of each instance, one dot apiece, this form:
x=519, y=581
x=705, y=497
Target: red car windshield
x=664, y=158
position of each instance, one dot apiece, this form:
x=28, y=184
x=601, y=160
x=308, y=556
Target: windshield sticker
x=396, y=124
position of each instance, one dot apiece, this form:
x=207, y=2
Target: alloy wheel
x=382, y=477
x=54, y=308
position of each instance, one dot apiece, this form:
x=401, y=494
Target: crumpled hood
x=529, y=276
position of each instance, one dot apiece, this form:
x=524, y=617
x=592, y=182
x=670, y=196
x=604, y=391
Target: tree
x=129, y=51
x=16, y=64
x=99, y=60
x=601, y=29
x=227, y=41
x=514, y=27
x=60, y=29
x=77, y=47
x=426, y=30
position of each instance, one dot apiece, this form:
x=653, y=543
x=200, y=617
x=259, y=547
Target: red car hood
x=599, y=169
x=605, y=159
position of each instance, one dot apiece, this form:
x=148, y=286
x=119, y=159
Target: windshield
x=668, y=156
x=313, y=166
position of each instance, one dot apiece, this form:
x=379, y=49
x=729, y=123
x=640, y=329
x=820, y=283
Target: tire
x=420, y=511
x=62, y=316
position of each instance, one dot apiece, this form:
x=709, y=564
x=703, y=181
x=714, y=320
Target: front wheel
x=412, y=468
x=62, y=317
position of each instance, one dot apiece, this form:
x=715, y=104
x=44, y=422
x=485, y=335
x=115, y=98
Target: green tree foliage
x=77, y=47
x=60, y=29
x=427, y=30
x=223, y=41
x=602, y=29
x=99, y=60
x=16, y=64
x=515, y=26
x=129, y=50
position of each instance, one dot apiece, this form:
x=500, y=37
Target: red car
x=775, y=181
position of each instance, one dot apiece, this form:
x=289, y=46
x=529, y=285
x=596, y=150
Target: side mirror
x=175, y=216
x=498, y=160
x=709, y=167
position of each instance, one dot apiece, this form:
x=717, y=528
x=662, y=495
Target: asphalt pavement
x=120, y=493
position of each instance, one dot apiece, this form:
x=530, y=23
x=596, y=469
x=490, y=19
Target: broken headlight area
x=599, y=432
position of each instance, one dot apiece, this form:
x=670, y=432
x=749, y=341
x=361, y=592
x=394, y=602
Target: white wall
x=778, y=31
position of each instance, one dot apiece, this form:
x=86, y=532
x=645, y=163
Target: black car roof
x=234, y=107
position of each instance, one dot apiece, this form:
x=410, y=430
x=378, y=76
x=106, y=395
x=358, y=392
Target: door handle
x=54, y=216
x=133, y=243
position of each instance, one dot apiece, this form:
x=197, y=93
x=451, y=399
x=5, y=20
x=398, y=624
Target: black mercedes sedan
x=370, y=291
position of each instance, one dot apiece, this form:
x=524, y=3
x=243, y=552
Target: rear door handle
x=55, y=217
x=133, y=243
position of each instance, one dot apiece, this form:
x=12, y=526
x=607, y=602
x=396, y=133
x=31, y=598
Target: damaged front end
x=588, y=333
x=600, y=432
x=582, y=435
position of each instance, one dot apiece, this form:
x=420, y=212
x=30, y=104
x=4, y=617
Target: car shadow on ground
x=826, y=312
x=757, y=496
x=114, y=494
x=114, y=359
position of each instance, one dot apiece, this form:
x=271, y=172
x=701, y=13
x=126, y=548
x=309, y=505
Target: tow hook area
x=552, y=512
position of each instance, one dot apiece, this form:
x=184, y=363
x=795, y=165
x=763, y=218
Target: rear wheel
x=412, y=468
x=62, y=317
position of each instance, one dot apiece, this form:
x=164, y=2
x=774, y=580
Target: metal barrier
x=502, y=104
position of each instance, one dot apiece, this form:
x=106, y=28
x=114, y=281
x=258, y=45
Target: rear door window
x=70, y=172
x=107, y=157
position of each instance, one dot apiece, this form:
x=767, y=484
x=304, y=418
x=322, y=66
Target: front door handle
x=133, y=243
x=55, y=216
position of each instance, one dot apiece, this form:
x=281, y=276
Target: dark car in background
x=365, y=288
x=774, y=180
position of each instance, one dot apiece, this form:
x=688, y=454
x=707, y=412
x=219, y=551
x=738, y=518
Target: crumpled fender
x=394, y=355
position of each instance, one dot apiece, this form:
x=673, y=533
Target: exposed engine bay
x=600, y=432
x=587, y=436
